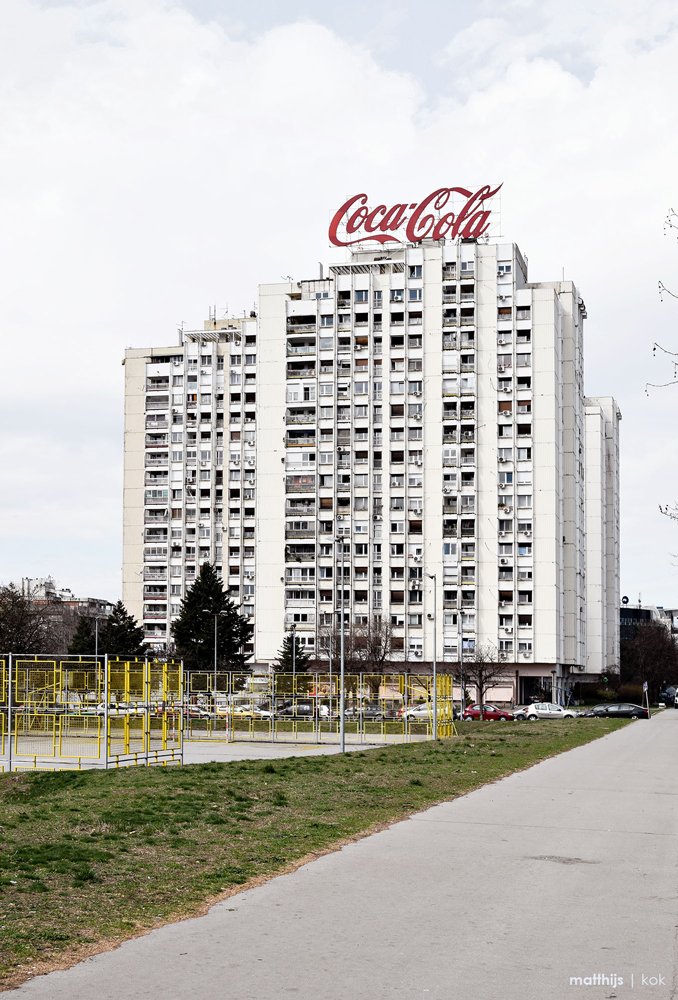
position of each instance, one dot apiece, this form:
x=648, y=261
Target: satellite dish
x=625, y=600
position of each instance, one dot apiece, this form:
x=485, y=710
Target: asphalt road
x=565, y=870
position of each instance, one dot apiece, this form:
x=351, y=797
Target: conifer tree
x=284, y=662
x=82, y=643
x=193, y=630
x=119, y=634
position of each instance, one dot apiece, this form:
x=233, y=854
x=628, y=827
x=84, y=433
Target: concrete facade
x=424, y=405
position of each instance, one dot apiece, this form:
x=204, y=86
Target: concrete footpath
x=527, y=889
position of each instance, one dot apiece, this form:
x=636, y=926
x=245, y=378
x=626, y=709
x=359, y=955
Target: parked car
x=490, y=714
x=545, y=710
x=423, y=711
x=120, y=708
x=617, y=711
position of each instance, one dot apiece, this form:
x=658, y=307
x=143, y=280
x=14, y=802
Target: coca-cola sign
x=417, y=221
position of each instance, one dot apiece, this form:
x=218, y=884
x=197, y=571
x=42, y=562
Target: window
x=524, y=454
x=525, y=647
x=506, y=645
x=360, y=388
x=525, y=548
x=525, y=501
x=415, y=479
x=414, y=295
x=415, y=270
x=177, y=456
x=524, y=597
x=360, y=503
x=525, y=526
x=397, y=294
x=523, y=360
x=326, y=389
x=361, y=295
x=416, y=387
x=505, y=477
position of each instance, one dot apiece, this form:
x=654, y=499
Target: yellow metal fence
x=83, y=712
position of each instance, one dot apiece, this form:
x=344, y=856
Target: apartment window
x=415, y=479
x=525, y=526
x=523, y=360
x=524, y=454
x=415, y=270
x=397, y=294
x=360, y=388
x=525, y=501
x=525, y=548
x=524, y=597
x=250, y=359
x=414, y=295
x=506, y=645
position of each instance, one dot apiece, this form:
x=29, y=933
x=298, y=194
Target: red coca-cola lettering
x=470, y=222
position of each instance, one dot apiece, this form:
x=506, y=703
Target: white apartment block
x=426, y=406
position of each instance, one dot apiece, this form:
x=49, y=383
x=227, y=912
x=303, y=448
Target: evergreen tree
x=283, y=662
x=83, y=642
x=193, y=630
x=120, y=635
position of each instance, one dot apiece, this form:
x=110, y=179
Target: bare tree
x=25, y=625
x=482, y=669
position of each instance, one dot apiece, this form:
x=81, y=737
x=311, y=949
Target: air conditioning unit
x=447, y=489
x=418, y=461
x=580, y=667
x=236, y=460
x=504, y=562
x=528, y=534
x=502, y=459
x=502, y=533
x=508, y=630
x=502, y=342
x=416, y=416
x=502, y=604
x=377, y=517
x=415, y=652
x=417, y=559
x=507, y=510
x=501, y=368
x=249, y=461
x=507, y=388
x=526, y=653
x=417, y=393
x=502, y=655
x=341, y=517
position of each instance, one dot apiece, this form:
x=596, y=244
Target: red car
x=490, y=714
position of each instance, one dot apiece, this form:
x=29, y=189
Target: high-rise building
x=420, y=408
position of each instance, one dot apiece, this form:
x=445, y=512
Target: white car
x=547, y=710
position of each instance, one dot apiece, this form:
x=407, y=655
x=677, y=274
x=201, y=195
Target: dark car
x=622, y=710
x=490, y=714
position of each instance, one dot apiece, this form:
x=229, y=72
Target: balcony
x=153, y=574
x=157, y=425
x=449, y=341
x=157, y=402
x=300, y=417
x=467, y=296
x=161, y=384
x=449, y=321
x=153, y=461
x=156, y=479
x=449, y=297
x=300, y=440
x=301, y=327
x=154, y=517
x=468, y=320
x=308, y=371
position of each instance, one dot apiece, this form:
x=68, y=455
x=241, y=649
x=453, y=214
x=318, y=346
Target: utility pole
x=432, y=576
x=342, y=733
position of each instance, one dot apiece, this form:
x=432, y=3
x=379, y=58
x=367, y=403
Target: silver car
x=546, y=710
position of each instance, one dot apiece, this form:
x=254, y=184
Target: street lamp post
x=432, y=576
x=294, y=658
x=342, y=732
x=207, y=611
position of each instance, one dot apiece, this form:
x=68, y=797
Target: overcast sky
x=157, y=158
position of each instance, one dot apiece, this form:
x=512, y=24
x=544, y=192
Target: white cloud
x=150, y=165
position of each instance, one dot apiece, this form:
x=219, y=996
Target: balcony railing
x=152, y=575
x=300, y=418
x=150, y=518
x=300, y=532
x=449, y=341
x=449, y=298
x=301, y=327
x=300, y=349
x=304, y=372
x=156, y=480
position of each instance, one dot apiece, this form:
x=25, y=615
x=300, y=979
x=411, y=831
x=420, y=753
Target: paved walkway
x=566, y=870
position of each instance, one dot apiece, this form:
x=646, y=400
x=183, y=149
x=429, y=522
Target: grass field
x=91, y=858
